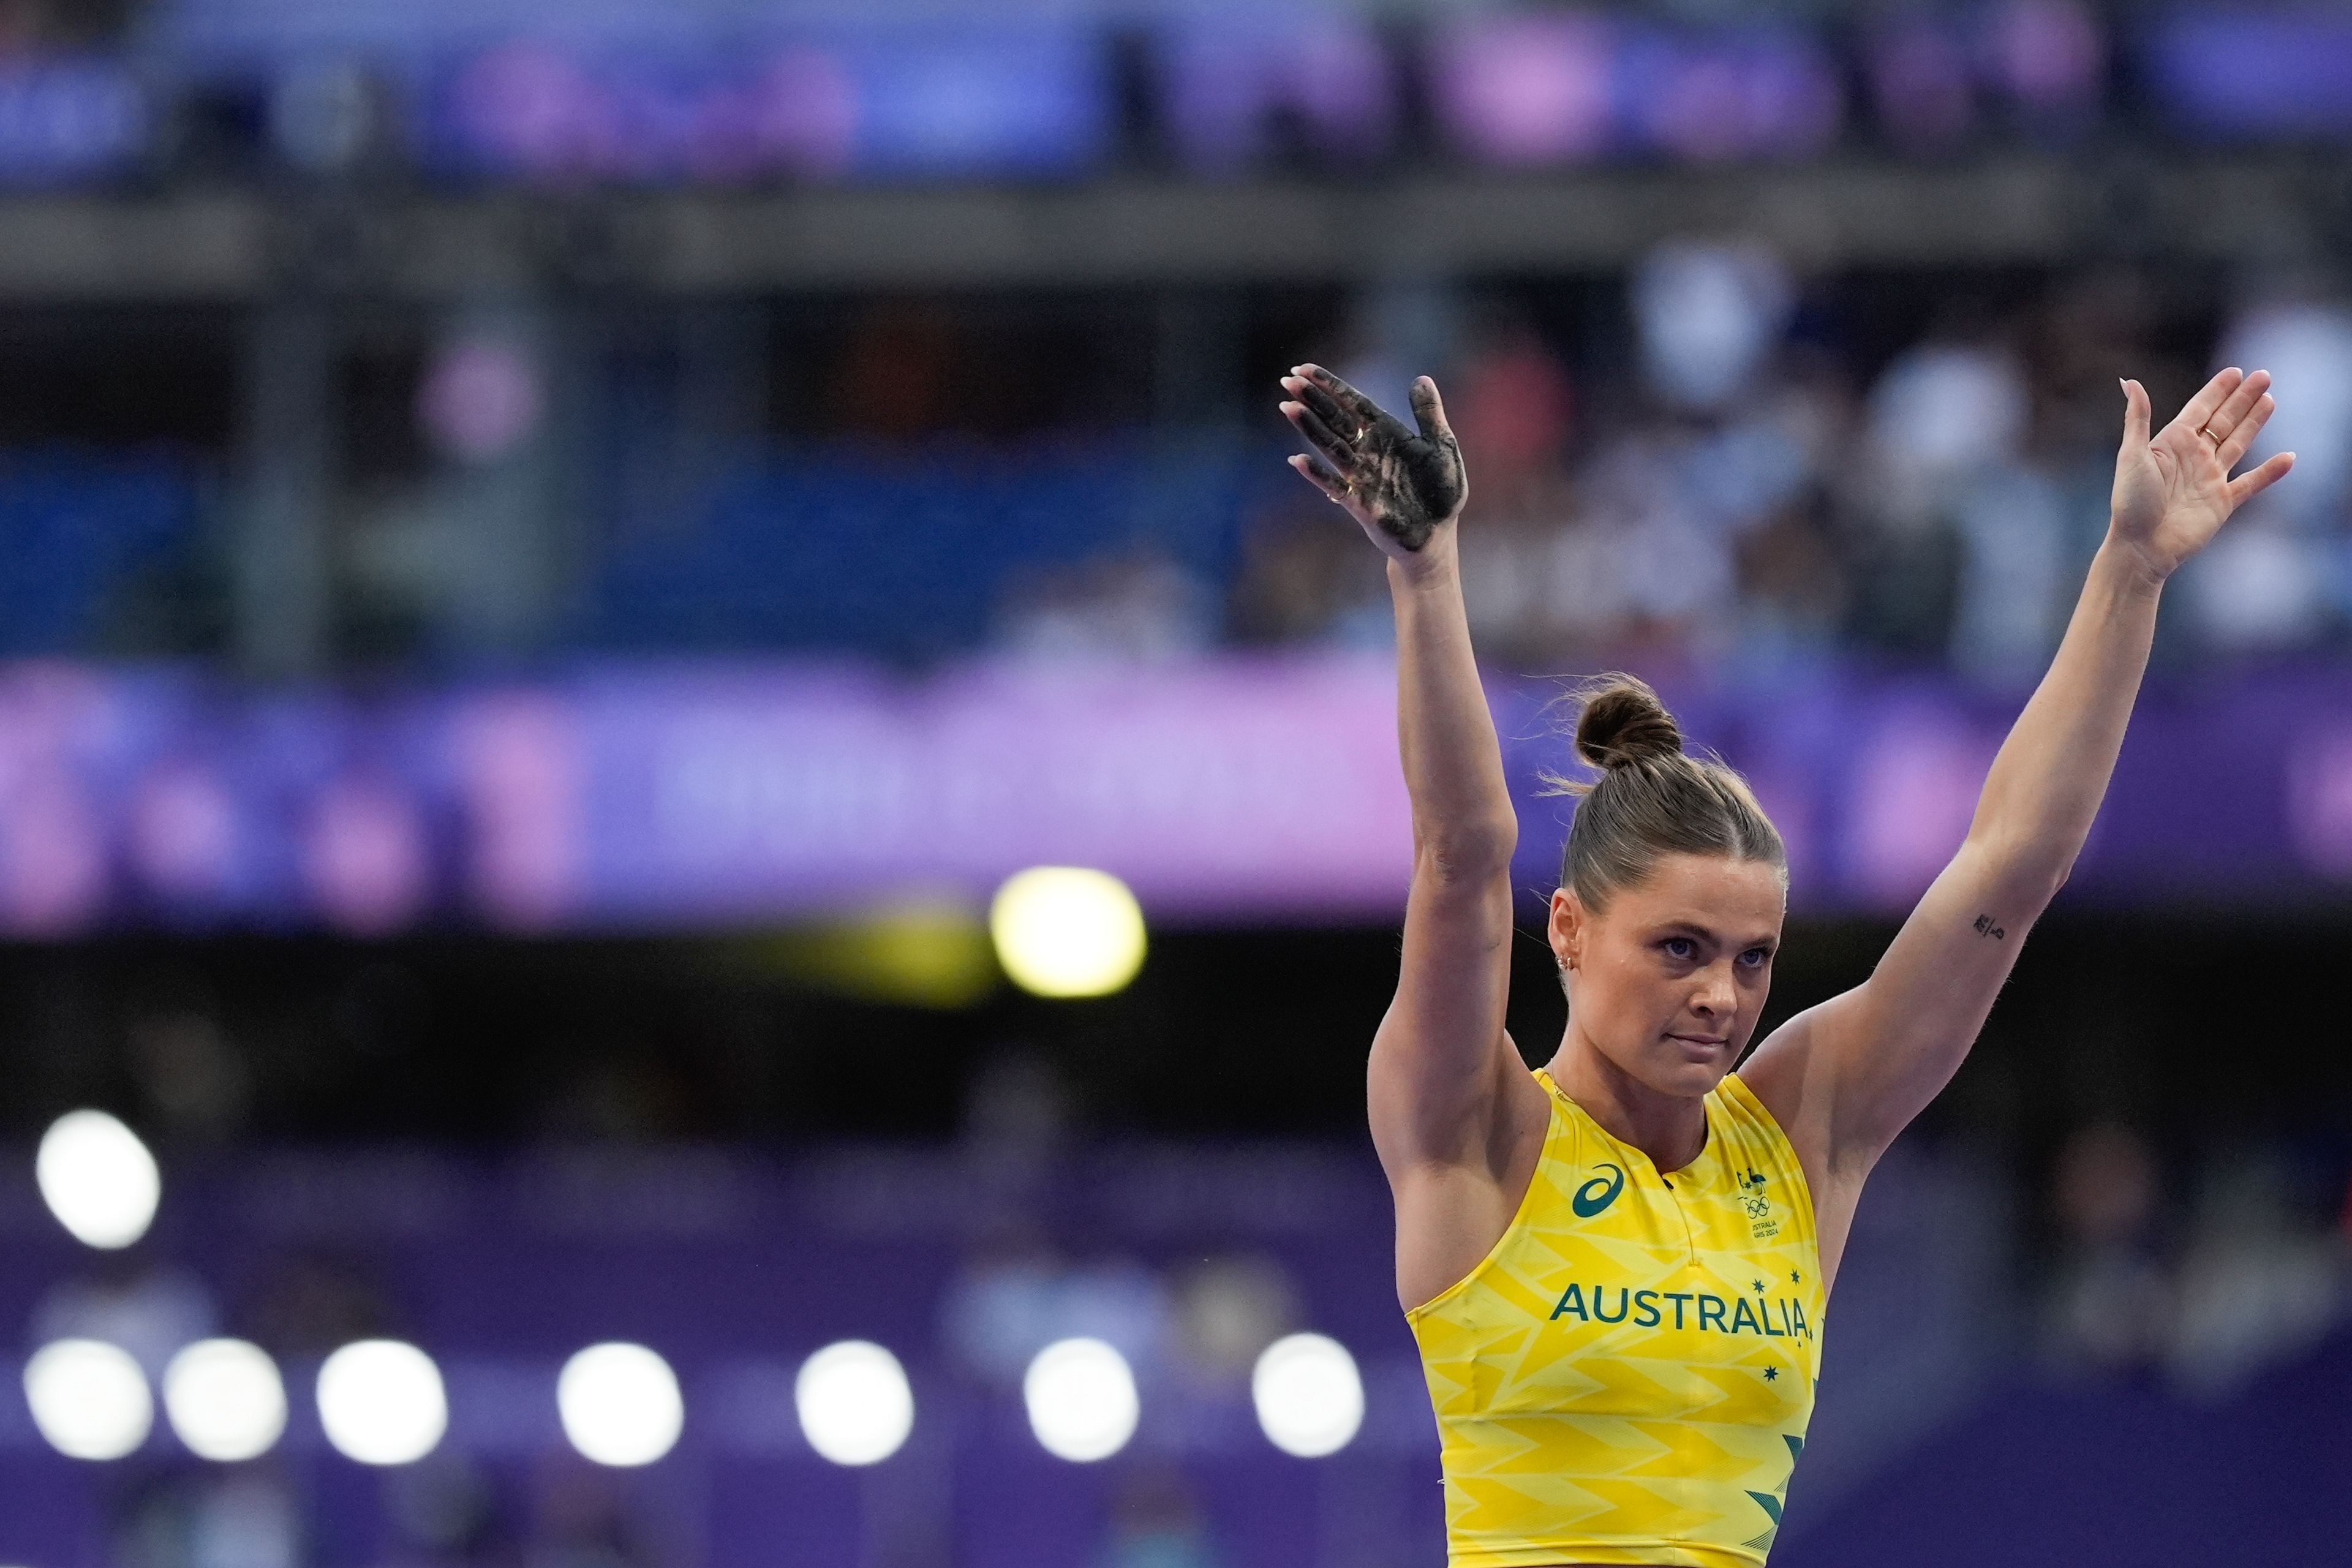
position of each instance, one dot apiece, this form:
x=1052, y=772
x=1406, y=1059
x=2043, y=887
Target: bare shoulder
x=1451, y=1211
x=1787, y=1076
x=1776, y=1072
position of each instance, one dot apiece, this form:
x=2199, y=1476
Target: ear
x=1568, y=927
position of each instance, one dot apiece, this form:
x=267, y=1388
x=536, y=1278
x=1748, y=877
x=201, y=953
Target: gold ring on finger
x=2206, y=431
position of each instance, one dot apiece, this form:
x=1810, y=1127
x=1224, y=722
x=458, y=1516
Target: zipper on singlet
x=1690, y=1232
x=1681, y=1211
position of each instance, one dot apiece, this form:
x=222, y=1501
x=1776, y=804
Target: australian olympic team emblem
x=1758, y=1207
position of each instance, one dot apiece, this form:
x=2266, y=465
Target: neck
x=1670, y=1128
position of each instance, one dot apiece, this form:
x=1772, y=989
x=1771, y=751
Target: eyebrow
x=1708, y=933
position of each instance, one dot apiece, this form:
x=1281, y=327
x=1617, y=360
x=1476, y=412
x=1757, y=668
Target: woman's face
x=1668, y=981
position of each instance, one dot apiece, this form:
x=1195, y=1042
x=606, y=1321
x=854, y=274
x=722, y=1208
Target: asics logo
x=1598, y=1192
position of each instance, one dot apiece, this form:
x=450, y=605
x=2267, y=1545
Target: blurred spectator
x=894, y=376
x=197, y=1082
x=1513, y=407
x=1709, y=316
x=305, y=1305
x=2276, y=578
x=1228, y=1310
x=147, y=1308
x=2260, y=1282
x=1792, y=588
x=1747, y=513
x=1309, y=576
x=1156, y=1524
x=1016, y=1294
x=211, y=1518
x=2303, y=338
x=583, y=1519
x=447, y=1511
x=1141, y=606
x=2111, y=1304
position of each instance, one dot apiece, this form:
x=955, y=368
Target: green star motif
x=1771, y=1374
x=1760, y=1286
x=1795, y=1277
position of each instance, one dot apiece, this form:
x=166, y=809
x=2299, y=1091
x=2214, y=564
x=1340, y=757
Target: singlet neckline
x=1551, y=1087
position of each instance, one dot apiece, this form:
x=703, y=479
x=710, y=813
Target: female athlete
x=1616, y=1267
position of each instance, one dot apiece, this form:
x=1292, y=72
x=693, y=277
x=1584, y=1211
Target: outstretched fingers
x=2242, y=434
x=1363, y=410
x=2225, y=420
x=1321, y=435
x=2209, y=400
x=1321, y=475
x=1326, y=407
x=2254, y=481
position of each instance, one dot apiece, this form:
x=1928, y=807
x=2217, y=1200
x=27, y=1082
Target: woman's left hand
x=2174, y=492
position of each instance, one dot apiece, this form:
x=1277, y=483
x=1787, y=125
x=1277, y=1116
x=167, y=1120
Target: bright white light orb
x=98, y=1178
x=854, y=1403
x=1310, y=1399
x=226, y=1400
x=88, y=1398
x=381, y=1401
x=1081, y=1400
x=1064, y=931
x=620, y=1404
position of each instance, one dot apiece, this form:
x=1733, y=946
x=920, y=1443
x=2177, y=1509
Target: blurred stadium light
x=226, y=1400
x=1068, y=930
x=1082, y=1399
x=88, y=1398
x=381, y=1401
x=1310, y=1399
x=854, y=1403
x=99, y=1179
x=620, y=1404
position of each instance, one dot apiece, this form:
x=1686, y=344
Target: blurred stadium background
x=554, y=557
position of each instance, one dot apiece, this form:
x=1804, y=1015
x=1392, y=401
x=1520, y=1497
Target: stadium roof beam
x=245, y=245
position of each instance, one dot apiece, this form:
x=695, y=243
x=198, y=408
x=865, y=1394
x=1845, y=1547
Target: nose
x=1718, y=995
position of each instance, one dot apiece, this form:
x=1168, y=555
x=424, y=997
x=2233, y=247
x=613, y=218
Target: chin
x=1693, y=1079
x=1698, y=1083
x=1683, y=1080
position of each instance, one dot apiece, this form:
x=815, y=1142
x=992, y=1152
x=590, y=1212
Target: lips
x=1702, y=1042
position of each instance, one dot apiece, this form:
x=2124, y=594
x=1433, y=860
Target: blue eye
x=1680, y=947
x=1754, y=957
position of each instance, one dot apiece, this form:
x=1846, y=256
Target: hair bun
x=1623, y=722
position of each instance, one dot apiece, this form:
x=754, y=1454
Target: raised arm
x=1440, y=1057
x=1847, y=1075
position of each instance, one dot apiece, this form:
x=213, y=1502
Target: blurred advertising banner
x=670, y=796
x=739, y=93
x=681, y=796
x=1027, y=100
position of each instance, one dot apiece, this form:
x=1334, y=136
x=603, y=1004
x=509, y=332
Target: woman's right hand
x=1405, y=487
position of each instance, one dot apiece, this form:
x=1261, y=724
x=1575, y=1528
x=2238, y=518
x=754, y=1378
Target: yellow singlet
x=1627, y=1376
